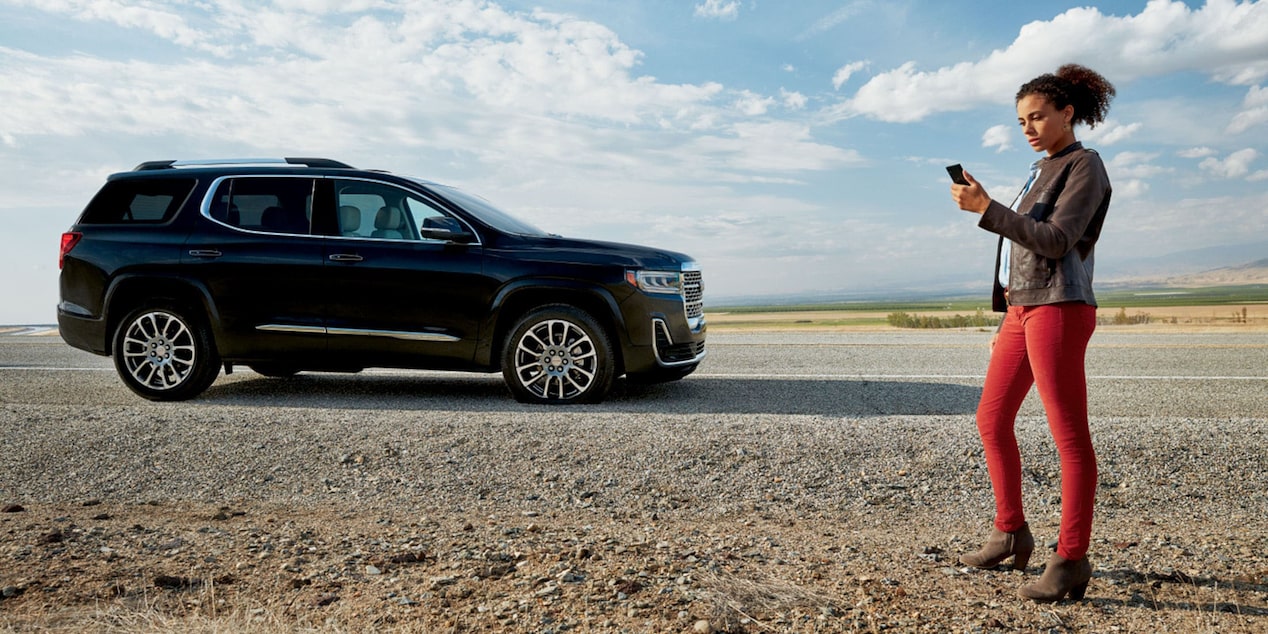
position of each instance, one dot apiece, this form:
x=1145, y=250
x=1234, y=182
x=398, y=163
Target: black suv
x=178, y=268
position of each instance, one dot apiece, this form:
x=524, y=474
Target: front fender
x=519, y=296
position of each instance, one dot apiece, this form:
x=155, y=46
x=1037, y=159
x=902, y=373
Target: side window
x=138, y=200
x=275, y=205
x=424, y=214
x=374, y=210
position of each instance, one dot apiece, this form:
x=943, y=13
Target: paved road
x=835, y=374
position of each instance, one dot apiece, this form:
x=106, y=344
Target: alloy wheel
x=159, y=350
x=556, y=359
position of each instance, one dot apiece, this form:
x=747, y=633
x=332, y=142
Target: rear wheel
x=557, y=354
x=165, y=353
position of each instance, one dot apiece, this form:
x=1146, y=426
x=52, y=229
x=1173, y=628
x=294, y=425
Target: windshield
x=486, y=211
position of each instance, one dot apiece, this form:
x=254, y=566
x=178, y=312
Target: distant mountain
x=1161, y=268
x=1251, y=273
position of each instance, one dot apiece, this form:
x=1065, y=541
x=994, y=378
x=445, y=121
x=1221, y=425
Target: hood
x=573, y=250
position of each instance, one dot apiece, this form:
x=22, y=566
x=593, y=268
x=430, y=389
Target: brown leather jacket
x=1053, y=232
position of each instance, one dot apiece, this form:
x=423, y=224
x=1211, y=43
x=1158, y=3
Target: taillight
x=69, y=240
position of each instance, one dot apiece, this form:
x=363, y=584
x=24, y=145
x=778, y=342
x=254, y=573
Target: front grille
x=692, y=294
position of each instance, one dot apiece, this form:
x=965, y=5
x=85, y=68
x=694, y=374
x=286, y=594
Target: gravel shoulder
x=433, y=503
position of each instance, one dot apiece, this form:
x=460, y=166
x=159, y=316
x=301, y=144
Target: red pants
x=1042, y=346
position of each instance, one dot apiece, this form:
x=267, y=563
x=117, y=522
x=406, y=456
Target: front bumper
x=670, y=354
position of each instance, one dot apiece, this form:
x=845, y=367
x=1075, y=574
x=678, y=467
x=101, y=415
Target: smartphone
x=957, y=174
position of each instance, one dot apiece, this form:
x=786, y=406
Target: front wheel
x=557, y=354
x=165, y=353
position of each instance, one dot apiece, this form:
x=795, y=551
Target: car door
x=256, y=255
x=395, y=297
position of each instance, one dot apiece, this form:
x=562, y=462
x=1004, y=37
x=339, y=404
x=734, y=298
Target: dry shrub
x=734, y=599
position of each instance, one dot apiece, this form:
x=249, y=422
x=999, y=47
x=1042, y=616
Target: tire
x=274, y=370
x=660, y=375
x=165, y=353
x=557, y=354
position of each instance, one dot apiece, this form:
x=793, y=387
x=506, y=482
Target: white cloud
x=1110, y=132
x=767, y=147
x=1135, y=165
x=827, y=22
x=792, y=100
x=1131, y=188
x=1146, y=227
x=753, y=104
x=1244, y=75
x=1197, y=152
x=844, y=73
x=1256, y=96
x=1255, y=111
x=1235, y=165
x=1261, y=175
x=1247, y=119
x=147, y=16
x=718, y=9
x=1224, y=39
x=999, y=137
x=445, y=59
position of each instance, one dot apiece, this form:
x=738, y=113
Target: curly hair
x=1075, y=85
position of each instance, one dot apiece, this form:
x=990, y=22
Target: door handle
x=205, y=253
x=345, y=257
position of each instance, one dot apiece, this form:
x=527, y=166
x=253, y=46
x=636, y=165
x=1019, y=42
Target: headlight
x=656, y=281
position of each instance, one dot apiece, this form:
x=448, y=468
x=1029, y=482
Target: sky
x=789, y=147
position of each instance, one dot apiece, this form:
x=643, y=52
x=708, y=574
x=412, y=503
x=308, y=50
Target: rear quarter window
x=138, y=201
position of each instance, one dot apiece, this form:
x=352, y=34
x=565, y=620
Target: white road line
x=29, y=331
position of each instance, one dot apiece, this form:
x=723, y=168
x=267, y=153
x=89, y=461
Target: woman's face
x=1046, y=128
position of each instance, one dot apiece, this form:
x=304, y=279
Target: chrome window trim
x=205, y=210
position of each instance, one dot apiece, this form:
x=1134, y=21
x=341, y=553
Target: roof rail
x=306, y=161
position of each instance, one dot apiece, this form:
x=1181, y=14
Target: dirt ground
x=190, y=568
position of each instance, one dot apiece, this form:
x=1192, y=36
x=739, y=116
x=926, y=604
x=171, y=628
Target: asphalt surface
x=834, y=374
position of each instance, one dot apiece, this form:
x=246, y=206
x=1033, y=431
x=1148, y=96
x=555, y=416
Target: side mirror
x=447, y=229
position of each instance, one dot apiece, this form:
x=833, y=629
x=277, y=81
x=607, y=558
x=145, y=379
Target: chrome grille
x=692, y=294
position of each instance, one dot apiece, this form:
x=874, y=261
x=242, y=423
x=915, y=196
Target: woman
x=1043, y=284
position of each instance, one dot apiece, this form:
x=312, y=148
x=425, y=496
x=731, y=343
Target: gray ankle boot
x=1017, y=544
x=1060, y=577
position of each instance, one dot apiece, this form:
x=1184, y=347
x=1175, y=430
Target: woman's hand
x=971, y=197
